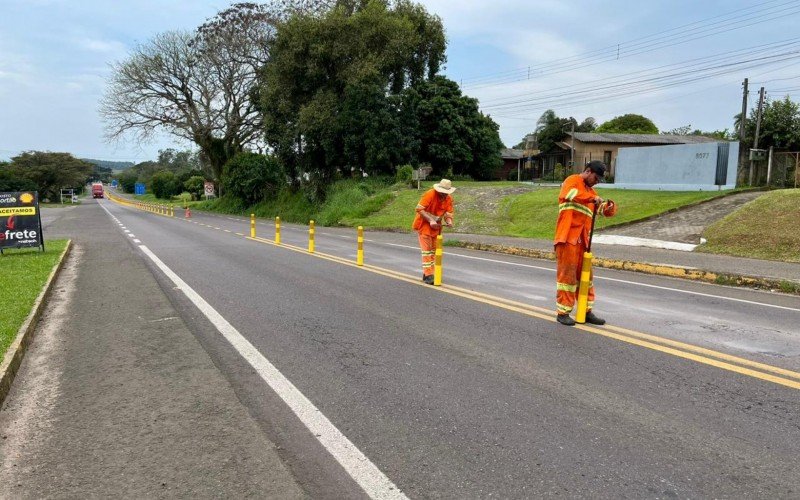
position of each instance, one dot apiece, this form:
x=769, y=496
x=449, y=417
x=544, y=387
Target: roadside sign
x=138, y=188
x=20, y=220
x=208, y=188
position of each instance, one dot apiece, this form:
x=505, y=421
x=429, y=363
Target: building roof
x=643, y=138
x=512, y=154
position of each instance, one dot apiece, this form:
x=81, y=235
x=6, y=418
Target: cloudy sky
x=678, y=62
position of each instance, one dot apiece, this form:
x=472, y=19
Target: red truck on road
x=97, y=190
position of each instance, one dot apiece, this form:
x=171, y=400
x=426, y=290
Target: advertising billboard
x=20, y=220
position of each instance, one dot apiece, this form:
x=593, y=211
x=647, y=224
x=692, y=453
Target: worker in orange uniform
x=576, y=203
x=434, y=209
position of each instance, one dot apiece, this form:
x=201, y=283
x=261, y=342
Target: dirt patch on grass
x=480, y=210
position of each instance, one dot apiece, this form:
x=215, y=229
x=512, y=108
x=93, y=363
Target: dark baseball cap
x=598, y=167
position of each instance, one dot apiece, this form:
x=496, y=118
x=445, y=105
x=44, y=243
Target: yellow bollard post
x=583, y=288
x=360, y=247
x=252, y=225
x=437, y=262
x=171, y=210
x=277, y=230
x=311, y=232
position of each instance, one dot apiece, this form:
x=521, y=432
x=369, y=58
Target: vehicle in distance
x=97, y=190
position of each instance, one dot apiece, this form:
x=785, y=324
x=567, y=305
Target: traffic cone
x=188, y=213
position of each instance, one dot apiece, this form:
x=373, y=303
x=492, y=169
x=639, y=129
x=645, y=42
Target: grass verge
x=765, y=228
x=23, y=273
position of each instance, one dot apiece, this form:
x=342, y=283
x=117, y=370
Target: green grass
x=531, y=214
x=22, y=275
x=765, y=228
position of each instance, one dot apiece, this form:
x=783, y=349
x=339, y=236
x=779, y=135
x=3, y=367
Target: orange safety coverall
x=443, y=209
x=575, y=207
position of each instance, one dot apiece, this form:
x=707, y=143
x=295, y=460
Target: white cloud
x=102, y=46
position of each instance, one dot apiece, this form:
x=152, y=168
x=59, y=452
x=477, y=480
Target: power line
x=644, y=45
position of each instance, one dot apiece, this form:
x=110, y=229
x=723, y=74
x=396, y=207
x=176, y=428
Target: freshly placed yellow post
x=360, y=247
x=437, y=262
x=311, y=237
x=171, y=210
x=583, y=288
x=252, y=225
x=277, y=230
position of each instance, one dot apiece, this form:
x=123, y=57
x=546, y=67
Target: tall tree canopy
x=199, y=86
x=628, y=124
x=780, y=125
x=331, y=89
x=550, y=129
x=50, y=172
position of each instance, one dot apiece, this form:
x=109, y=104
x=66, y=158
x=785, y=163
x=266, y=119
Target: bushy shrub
x=252, y=177
x=127, y=180
x=195, y=186
x=165, y=185
x=404, y=174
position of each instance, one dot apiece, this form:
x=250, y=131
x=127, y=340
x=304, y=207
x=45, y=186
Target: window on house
x=607, y=157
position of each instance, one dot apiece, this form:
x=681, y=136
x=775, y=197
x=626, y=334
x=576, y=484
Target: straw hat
x=444, y=186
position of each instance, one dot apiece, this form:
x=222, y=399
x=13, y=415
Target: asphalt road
x=472, y=390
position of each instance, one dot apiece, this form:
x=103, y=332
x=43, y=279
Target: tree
x=252, y=177
x=628, y=124
x=551, y=129
x=684, y=130
x=199, y=86
x=11, y=182
x=447, y=130
x=50, y=172
x=336, y=77
x=780, y=125
x=195, y=185
x=127, y=180
x=165, y=185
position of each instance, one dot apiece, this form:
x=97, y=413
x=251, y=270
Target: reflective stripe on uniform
x=572, y=193
x=575, y=206
x=563, y=309
x=566, y=287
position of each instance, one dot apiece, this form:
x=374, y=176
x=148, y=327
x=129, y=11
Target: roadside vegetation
x=496, y=208
x=765, y=228
x=25, y=272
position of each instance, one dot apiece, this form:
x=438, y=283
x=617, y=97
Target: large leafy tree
x=199, y=86
x=550, y=129
x=444, y=128
x=50, y=172
x=330, y=90
x=628, y=124
x=780, y=125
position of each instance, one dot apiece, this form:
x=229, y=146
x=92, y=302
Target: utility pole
x=572, y=148
x=742, y=122
x=743, y=117
x=758, y=129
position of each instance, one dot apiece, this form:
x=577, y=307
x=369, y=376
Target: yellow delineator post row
x=167, y=211
x=360, y=246
x=728, y=362
x=583, y=288
x=437, y=262
x=679, y=349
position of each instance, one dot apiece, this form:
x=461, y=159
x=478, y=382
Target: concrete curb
x=16, y=351
x=640, y=267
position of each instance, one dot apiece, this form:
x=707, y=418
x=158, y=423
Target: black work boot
x=564, y=319
x=428, y=279
x=591, y=318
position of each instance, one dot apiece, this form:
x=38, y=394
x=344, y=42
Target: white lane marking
x=131, y=235
x=360, y=468
x=136, y=241
x=751, y=302
x=634, y=283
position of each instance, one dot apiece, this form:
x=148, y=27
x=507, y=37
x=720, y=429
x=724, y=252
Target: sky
x=677, y=62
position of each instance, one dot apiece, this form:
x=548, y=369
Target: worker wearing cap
x=434, y=208
x=576, y=203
